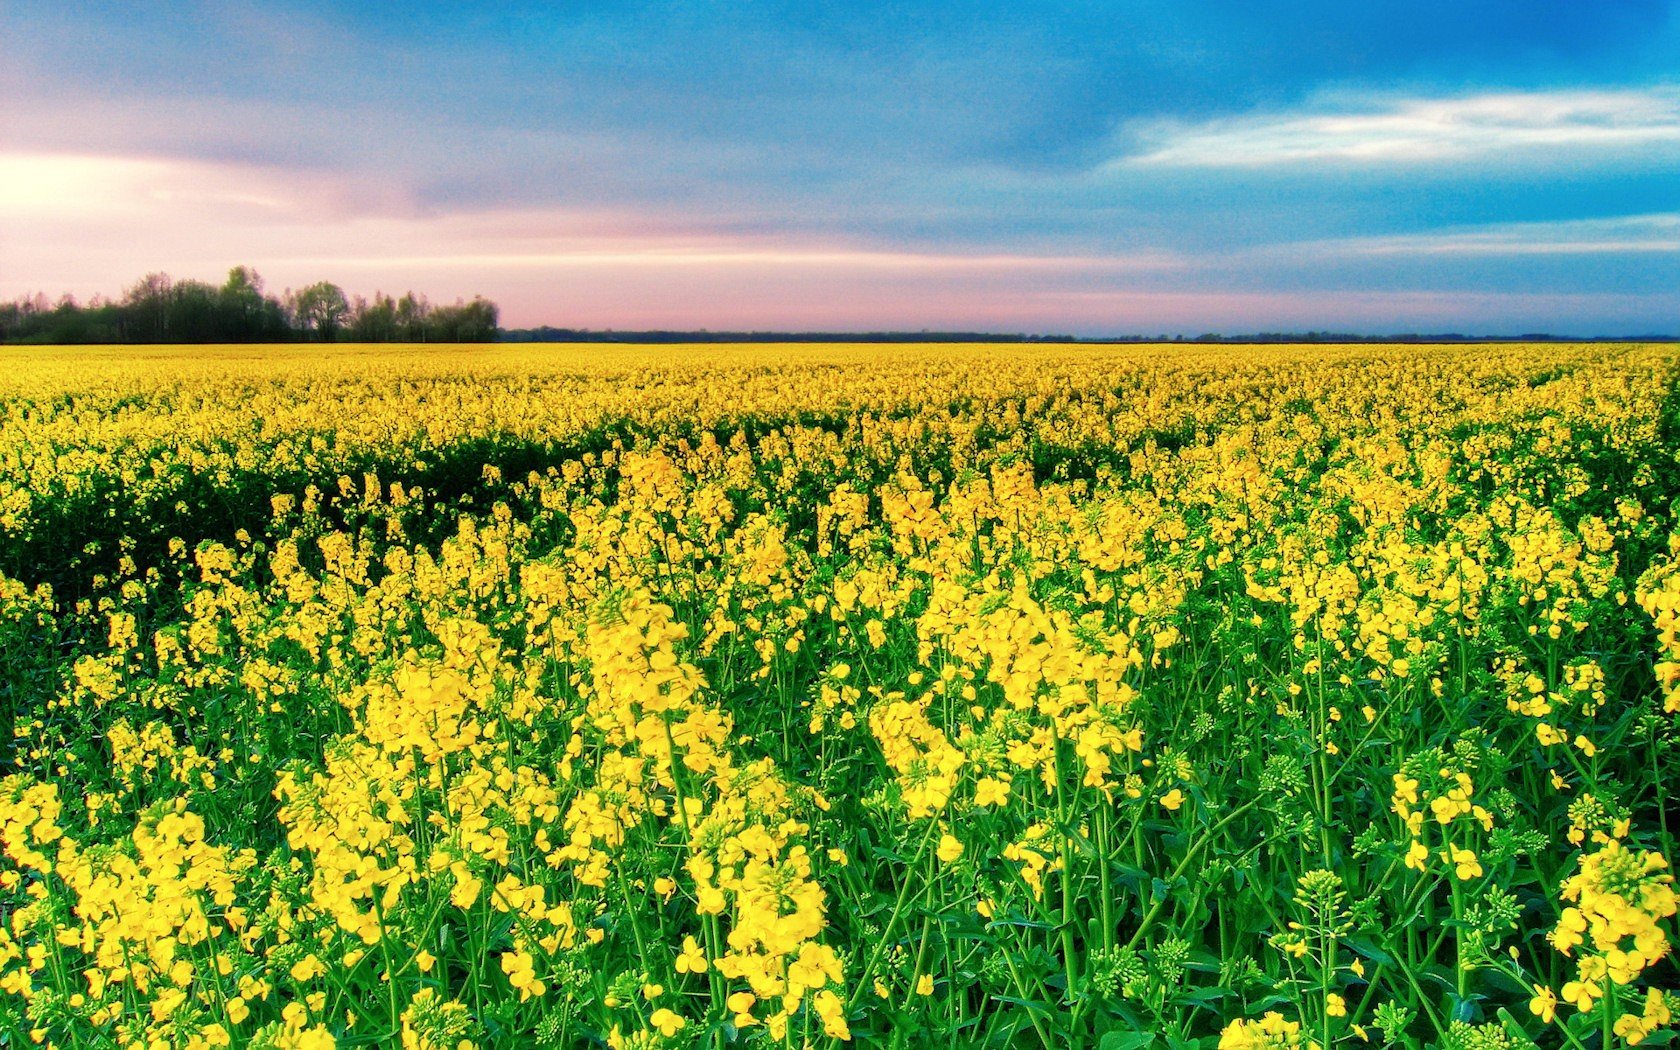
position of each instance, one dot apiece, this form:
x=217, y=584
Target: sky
x=1093, y=168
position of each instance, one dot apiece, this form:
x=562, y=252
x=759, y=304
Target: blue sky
x=1098, y=168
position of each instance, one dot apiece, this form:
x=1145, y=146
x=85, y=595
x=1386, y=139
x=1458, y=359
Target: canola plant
x=1092, y=696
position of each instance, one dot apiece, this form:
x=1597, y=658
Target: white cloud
x=91, y=224
x=123, y=190
x=1629, y=234
x=1422, y=130
x=141, y=205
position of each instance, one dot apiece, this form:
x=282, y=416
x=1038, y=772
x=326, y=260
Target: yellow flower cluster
x=1271, y=1032
x=927, y=765
x=744, y=853
x=1442, y=801
x=1659, y=596
x=1619, y=899
x=780, y=695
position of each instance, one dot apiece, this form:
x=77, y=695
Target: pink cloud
x=91, y=224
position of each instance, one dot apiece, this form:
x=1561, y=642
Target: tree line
x=161, y=309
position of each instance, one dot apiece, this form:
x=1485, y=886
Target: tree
x=159, y=309
x=414, y=316
x=374, y=322
x=319, y=310
x=146, y=309
x=192, y=313
x=473, y=322
x=246, y=314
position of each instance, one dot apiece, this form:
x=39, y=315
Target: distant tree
x=319, y=311
x=244, y=286
x=247, y=315
x=102, y=320
x=146, y=309
x=20, y=320
x=67, y=323
x=414, y=316
x=374, y=322
x=473, y=322
x=160, y=309
x=193, y=314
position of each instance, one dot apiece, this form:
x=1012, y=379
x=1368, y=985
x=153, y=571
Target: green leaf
x=1368, y=948
x=1204, y=997
x=1029, y=1005
x=1020, y=921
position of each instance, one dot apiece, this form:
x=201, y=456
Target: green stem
x=1184, y=865
x=892, y=919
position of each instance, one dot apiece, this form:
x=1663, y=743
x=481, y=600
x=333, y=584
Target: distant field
x=915, y=695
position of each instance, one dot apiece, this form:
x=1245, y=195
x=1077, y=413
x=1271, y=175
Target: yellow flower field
x=947, y=695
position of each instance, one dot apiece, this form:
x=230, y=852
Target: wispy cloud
x=1420, y=130
x=84, y=215
x=1629, y=234
x=1379, y=311
x=93, y=224
x=39, y=187
x=655, y=253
